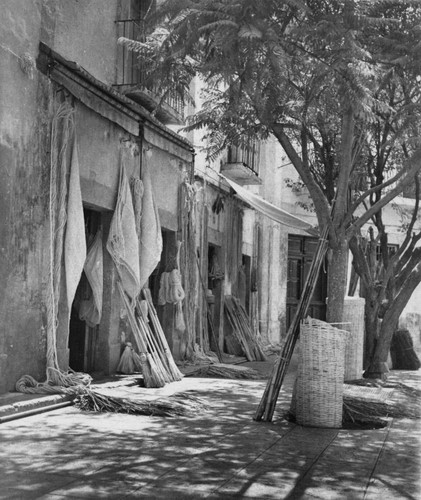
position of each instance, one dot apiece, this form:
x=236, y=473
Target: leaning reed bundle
x=176, y=405
x=242, y=329
x=152, y=375
x=161, y=340
x=151, y=342
x=267, y=405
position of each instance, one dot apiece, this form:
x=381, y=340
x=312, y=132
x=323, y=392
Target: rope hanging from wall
x=188, y=221
x=62, y=137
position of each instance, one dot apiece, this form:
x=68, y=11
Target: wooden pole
x=267, y=404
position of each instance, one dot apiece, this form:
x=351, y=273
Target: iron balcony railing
x=131, y=67
x=247, y=154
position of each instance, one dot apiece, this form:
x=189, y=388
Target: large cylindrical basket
x=319, y=385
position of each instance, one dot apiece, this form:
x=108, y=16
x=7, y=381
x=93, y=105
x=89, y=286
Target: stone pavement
x=219, y=453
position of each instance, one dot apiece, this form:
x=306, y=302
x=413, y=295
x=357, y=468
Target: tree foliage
x=337, y=82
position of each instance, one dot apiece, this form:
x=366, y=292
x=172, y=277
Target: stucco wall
x=273, y=250
x=85, y=32
x=100, y=143
x=167, y=172
x=24, y=119
x=82, y=31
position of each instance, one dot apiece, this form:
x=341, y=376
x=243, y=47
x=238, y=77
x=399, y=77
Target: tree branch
x=382, y=202
x=317, y=195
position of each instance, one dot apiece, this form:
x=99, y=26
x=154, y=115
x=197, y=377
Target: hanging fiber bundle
x=63, y=198
x=123, y=241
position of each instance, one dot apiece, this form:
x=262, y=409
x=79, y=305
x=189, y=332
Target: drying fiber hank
x=75, y=241
x=91, y=309
x=123, y=243
x=150, y=230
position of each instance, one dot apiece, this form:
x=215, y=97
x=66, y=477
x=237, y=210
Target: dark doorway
x=83, y=338
x=214, y=297
x=300, y=255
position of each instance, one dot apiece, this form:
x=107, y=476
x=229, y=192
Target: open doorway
x=83, y=338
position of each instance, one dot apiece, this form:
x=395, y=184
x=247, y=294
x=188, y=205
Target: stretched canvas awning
x=273, y=212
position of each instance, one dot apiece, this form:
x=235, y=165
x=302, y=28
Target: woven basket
x=319, y=385
x=353, y=316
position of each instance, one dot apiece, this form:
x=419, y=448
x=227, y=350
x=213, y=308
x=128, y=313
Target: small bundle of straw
x=219, y=370
x=129, y=361
x=357, y=409
x=395, y=400
x=176, y=405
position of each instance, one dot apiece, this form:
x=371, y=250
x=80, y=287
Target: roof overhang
x=102, y=98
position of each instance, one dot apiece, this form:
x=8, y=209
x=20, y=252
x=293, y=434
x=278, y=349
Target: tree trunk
x=372, y=325
x=378, y=365
x=337, y=280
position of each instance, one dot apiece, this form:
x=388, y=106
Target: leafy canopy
x=315, y=73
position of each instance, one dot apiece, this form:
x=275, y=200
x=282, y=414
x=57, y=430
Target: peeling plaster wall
x=24, y=132
x=82, y=31
x=86, y=33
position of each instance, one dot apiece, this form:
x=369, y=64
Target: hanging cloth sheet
x=123, y=243
x=91, y=309
x=150, y=230
x=273, y=212
x=74, y=242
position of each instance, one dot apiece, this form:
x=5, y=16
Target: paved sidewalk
x=217, y=454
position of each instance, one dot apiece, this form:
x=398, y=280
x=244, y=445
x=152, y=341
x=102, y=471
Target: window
x=132, y=71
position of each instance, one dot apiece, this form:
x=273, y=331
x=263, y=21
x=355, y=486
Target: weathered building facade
x=64, y=56
x=57, y=55
x=73, y=98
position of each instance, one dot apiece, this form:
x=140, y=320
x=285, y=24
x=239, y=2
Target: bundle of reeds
x=243, y=330
x=378, y=398
x=153, y=375
x=220, y=370
x=267, y=405
x=402, y=351
x=161, y=340
x=176, y=405
x=357, y=408
x=157, y=363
